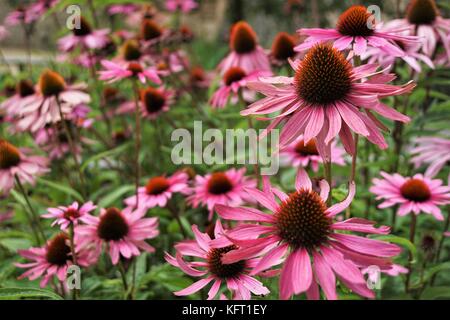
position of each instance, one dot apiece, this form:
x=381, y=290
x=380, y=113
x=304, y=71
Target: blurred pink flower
x=245, y=53
x=3, y=32
x=16, y=162
x=13, y=105
x=182, y=5
x=321, y=102
x=44, y=106
x=413, y=195
x=70, y=215
x=423, y=19
x=125, y=9
x=53, y=259
x=299, y=232
x=159, y=190
x=221, y=188
x=299, y=154
x=211, y=268
x=234, y=79
x=352, y=31
x=433, y=151
x=118, y=71
x=84, y=37
x=122, y=231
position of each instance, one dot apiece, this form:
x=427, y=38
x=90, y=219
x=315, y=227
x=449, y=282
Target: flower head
x=185, y=6
x=52, y=260
x=211, y=268
x=115, y=72
x=85, y=37
x=221, y=188
x=123, y=231
x=413, y=195
x=300, y=233
x=299, y=154
x=159, y=190
x=354, y=30
x=52, y=98
x=234, y=79
x=15, y=162
x=433, y=151
x=70, y=215
x=283, y=47
x=325, y=98
x=245, y=53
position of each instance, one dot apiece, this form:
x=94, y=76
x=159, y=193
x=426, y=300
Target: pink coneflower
x=84, y=37
x=352, y=31
x=51, y=260
x=115, y=72
x=234, y=79
x=24, y=95
x=41, y=7
x=152, y=32
x=221, y=188
x=283, y=48
x=185, y=6
x=300, y=231
x=211, y=268
x=423, y=19
x=199, y=78
x=412, y=57
x=153, y=102
x=125, y=9
x=53, y=95
x=123, y=231
x=70, y=215
x=245, y=53
x=299, y=154
x=16, y=162
x=433, y=151
x=413, y=195
x=21, y=15
x=159, y=190
x=325, y=98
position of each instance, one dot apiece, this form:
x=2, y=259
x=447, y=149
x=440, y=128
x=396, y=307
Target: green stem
x=412, y=235
x=34, y=219
x=137, y=114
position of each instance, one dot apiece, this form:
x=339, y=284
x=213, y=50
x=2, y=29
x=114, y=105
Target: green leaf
x=435, y=269
x=27, y=293
x=63, y=188
x=432, y=293
x=112, y=197
x=401, y=241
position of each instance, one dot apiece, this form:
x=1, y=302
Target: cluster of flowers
x=331, y=95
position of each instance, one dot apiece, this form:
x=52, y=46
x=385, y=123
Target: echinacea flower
x=24, y=94
x=70, y=215
x=52, y=260
x=151, y=31
x=123, y=232
x=210, y=267
x=41, y=7
x=299, y=154
x=16, y=162
x=21, y=15
x=115, y=72
x=84, y=37
x=283, y=48
x=412, y=57
x=413, y=195
x=300, y=233
x=153, y=102
x=234, y=79
x=245, y=53
x=125, y=9
x=423, y=19
x=52, y=98
x=325, y=98
x=221, y=188
x=433, y=151
x=184, y=6
x=353, y=31
x=159, y=190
